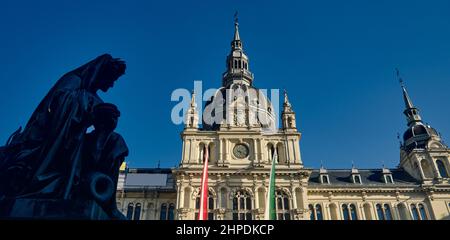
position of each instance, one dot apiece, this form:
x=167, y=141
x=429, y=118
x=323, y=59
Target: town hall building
x=241, y=146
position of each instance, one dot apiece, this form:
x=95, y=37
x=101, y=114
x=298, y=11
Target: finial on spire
x=236, y=29
x=400, y=80
x=408, y=102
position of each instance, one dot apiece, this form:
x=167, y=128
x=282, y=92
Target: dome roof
x=238, y=105
x=417, y=136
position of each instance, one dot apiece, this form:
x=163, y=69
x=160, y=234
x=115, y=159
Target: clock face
x=240, y=151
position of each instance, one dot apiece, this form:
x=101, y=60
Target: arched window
x=171, y=215
x=235, y=64
x=242, y=206
x=281, y=153
x=325, y=179
x=209, y=153
x=380, y=212
x=137, y=211
x=353, y=212
x=415, y=213
x=130, y=211
x=271, y=150
x=210, y=206
x=441, y=168
x=389, y=179
x=387, y=212
x=282, y=206
x=163, y=213
x=312, y=214
x=423, y=214
x=319, y=212
x=345, y=212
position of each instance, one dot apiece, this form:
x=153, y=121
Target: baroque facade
x=241, y=137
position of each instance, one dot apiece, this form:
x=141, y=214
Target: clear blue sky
x=335, y=58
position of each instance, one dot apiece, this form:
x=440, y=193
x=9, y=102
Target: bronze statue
x=103, y=152
x=45, y=160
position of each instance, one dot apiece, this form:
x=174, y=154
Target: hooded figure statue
x=43, y=161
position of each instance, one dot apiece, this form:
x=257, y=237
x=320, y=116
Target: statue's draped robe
x=105, y=157
x=48, y=150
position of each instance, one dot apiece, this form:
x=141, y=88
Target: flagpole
x=203, y=211
x=270, y=200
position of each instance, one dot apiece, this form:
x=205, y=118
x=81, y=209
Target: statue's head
x=106, y=116
x=110, y=72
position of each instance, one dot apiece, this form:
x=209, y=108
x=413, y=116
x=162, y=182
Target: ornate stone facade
x=241, y=146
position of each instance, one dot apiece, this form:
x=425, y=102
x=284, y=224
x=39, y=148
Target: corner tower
x=422, y=154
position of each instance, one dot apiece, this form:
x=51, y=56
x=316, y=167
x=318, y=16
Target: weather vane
x=236, y=17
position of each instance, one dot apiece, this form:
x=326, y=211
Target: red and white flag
x=203, y=211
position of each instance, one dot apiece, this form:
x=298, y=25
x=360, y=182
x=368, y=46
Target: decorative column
x=255, y=153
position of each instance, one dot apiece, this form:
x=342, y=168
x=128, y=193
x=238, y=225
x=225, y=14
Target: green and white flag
x=270, y=213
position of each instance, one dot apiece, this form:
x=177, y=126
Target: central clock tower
x=240, y=132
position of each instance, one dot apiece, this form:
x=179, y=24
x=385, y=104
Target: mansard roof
x=160, y=179
x=369, y=177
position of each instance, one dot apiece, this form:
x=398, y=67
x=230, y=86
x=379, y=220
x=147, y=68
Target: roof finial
x=400, y=80
x=236, y=20
x=408, y=102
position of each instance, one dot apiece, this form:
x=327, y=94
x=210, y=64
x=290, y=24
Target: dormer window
x=324, y=179
x=387, y=175
x=357, y=179
x=388, y=179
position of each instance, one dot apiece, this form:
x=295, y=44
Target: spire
x=237, y=62
x=412, y=113
x=408, y=102
x=288, y=115
x=236, y=44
